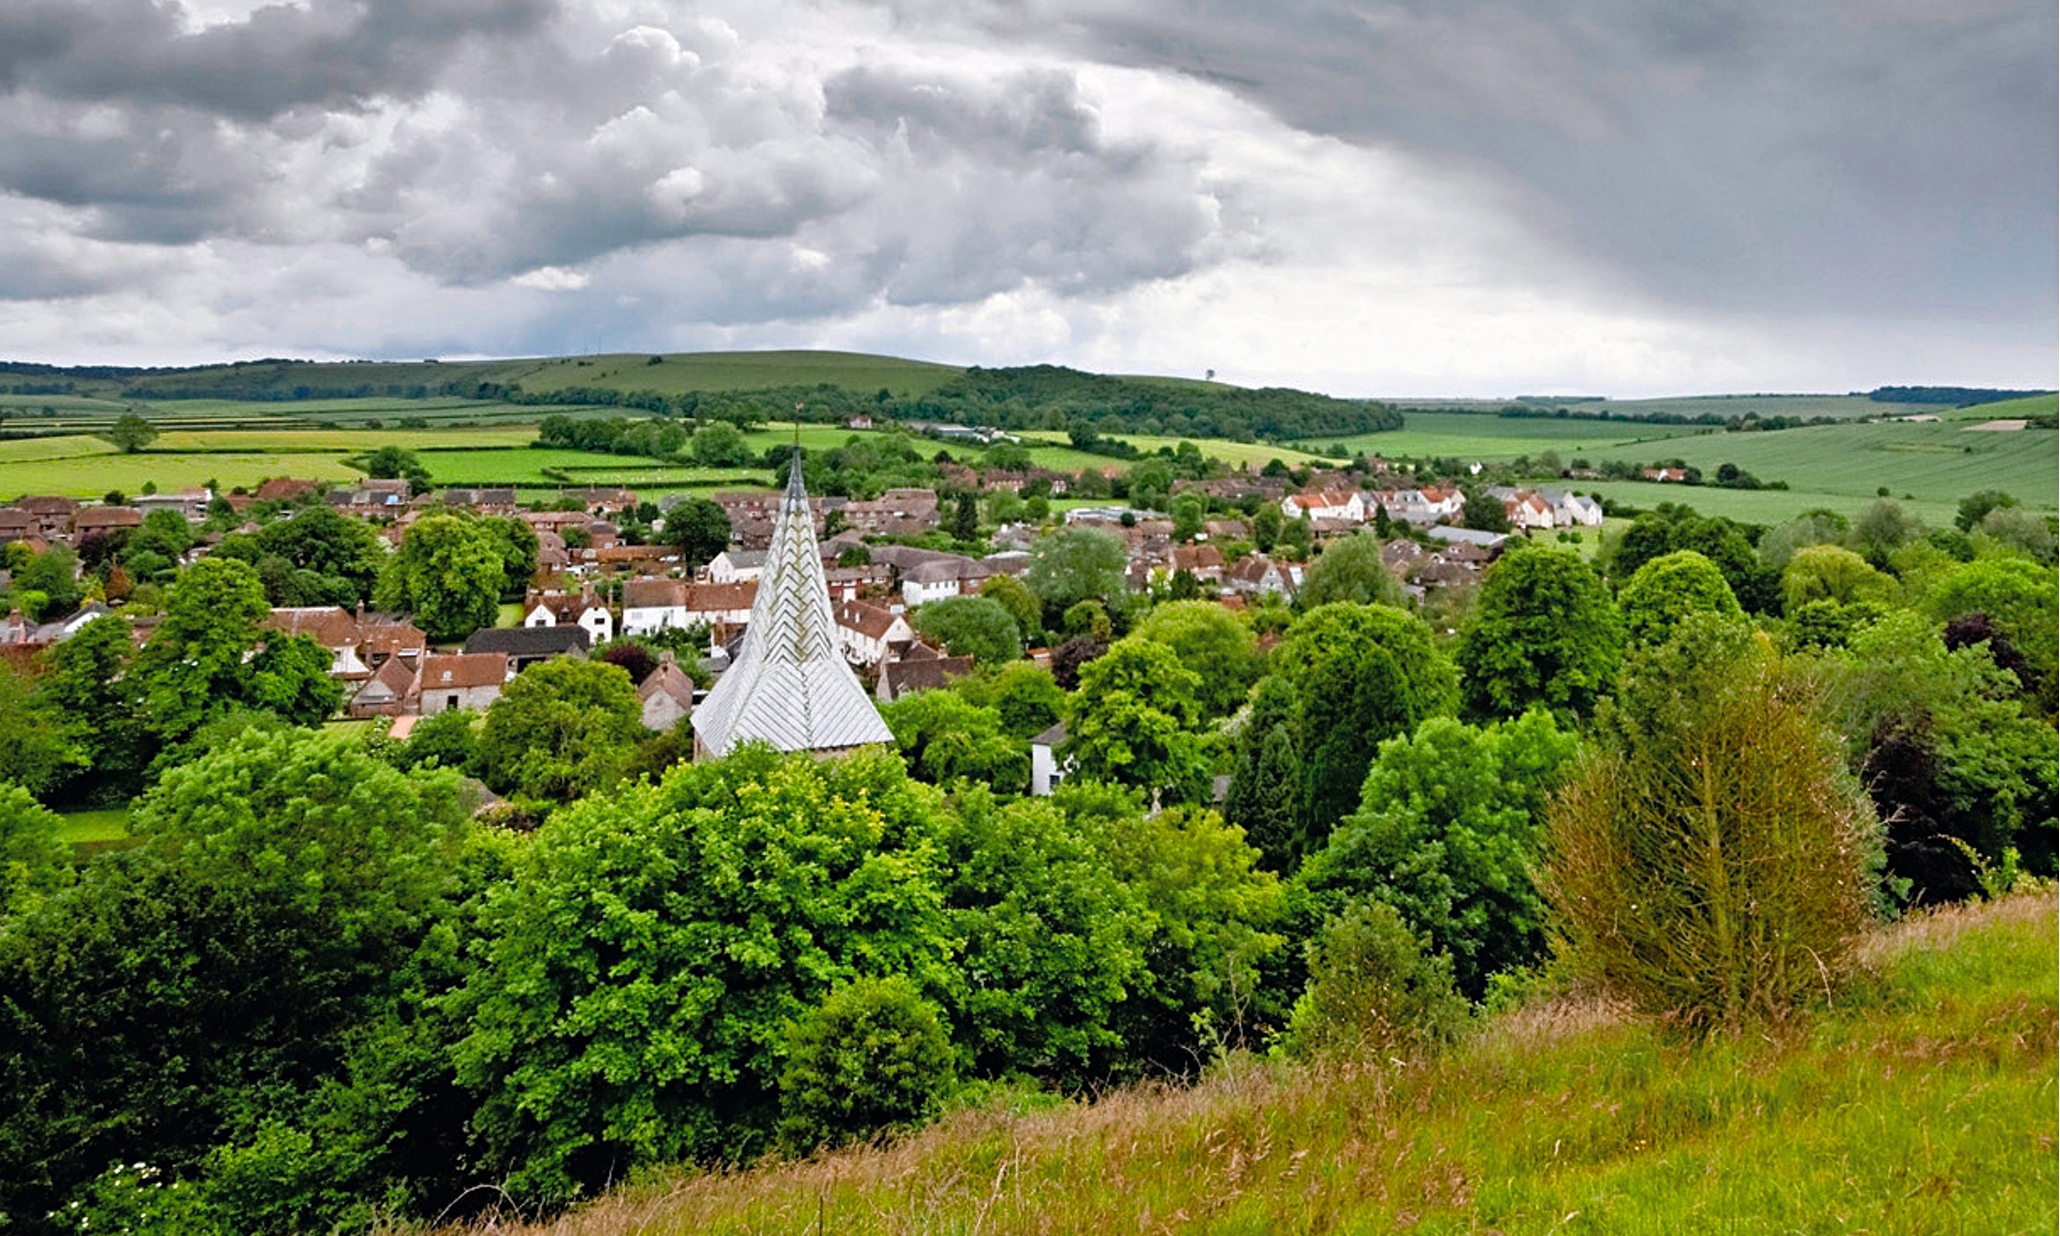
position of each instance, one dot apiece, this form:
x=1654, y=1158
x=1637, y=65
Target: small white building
x=1325, y=504
x=735, y=566
x=1047, y=770
x=564, y=609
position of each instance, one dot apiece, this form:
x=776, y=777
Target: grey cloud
x=1783, y=155
x=334, y=53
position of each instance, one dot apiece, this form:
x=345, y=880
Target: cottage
x=563, y=609
x=331, y=626
x=869, y=634
x=385, y=693
x=667, y=695
x=1047, y=769
x=456, y=680
x=734, y=566
x=527, y=646
x=921, y=668
x=1347, y=506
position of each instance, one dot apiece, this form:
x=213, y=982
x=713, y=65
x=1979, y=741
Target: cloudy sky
x=1416, y=197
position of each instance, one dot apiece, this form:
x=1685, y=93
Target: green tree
x=1832, y=573
x=645, y=1024
x=700, y=528
x=518, y=548
x=344, y=553
x=2022, y=600
x=946, y=738
x=448, y=573
x=1015, y=597
x=87, y=680
x=1374, y=989
x=1483, y=511
x=1544, y=632
x=1669, y=588
x=1266, y=527
x=41, y=745
x=1072, y=565
x=1976, y=506
x=131, y=433
x=872, y=1056
x=33, y=862
x=1670, y=527
x=392, y=463
x=1023, y=694
x=975, y=626
x=1212, y=644
x=561, y=729
x=1709, y=859
x=198, y=665
x=1188, y=512
x=1135, y=721
x=720, y=444
x=1349, y=569
x=53, y=576
x=1266, y=784
x=1883, y=527
x=179, y=993
x=964, y=524
x=1447, y=832
x=1052, y=942
x=1361, y=674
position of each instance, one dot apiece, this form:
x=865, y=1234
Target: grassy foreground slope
x=1921, y=1100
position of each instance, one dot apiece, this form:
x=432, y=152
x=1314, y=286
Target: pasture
x=90, y=476
x=1485, y=437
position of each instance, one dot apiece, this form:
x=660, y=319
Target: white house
x=868, y=633
x=1046, y=768
x=734, y=566
x=558, y=609
x=1570, y=509
x=653, y=604
x=1325, y=504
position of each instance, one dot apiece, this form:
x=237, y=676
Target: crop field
x=725, y=371
x=330, y=441
x=89, y=476
x=1472, y=435
x=1934, y=463
x=29, y=450
x=1842, y=407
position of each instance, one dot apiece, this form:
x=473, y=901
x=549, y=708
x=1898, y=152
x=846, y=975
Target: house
x=896, y=512
x=191, y=504
x=105, y=519
x=16, y=525
x=1427, y=505
x=372, y=496
x=1571, y=510
x=53, y=516
x=492, y=501
x=936, y=580
x=734, y=566
x=667, y=695
x=654, y=604
x=564, y=609
x=869, y=634
x=921, y=668
x=285, y=489
x=1204, y=562
x=331, y=626
x=1259, y=575
x=1523, y=508
x=385, y=693
x=1348, y=506
x=527, y=646
x=385, y=637
x=1046, y=768
x=456, y=680
x=1484, y=541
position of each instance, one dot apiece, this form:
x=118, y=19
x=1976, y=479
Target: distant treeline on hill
x=1035, y=397
x=1051, y=397
x=1957, y=396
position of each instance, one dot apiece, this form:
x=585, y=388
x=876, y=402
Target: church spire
x=790, y=685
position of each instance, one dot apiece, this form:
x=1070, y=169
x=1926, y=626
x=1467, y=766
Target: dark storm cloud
x=1865, y=156
x=331, y=53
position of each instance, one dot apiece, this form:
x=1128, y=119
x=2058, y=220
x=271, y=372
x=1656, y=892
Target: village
x=594, y=584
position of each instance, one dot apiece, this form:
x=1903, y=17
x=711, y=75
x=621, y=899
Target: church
x=789, y=686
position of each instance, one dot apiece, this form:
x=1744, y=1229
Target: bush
x=872, y=1056
x=1373, y=989
x=1710, y=859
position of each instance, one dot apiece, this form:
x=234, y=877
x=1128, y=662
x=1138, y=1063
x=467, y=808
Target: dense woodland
x=326, y=987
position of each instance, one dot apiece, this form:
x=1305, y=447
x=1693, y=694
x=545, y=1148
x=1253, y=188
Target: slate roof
x=530, y=641
x=789, y=685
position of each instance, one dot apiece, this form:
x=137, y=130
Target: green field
x=88, y=828
x=1472, y=435
x=330, y=441
x=1841, y=407
x=73, y=446
x=92, y=476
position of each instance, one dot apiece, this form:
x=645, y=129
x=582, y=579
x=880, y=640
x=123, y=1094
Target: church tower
x=789, y=685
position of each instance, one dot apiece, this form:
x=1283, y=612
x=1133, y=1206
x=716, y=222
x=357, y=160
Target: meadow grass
x=1920, y=1099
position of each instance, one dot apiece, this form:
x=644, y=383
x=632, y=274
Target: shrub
x=1372, y=988
x=1709, y=859
x=872, y=1056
